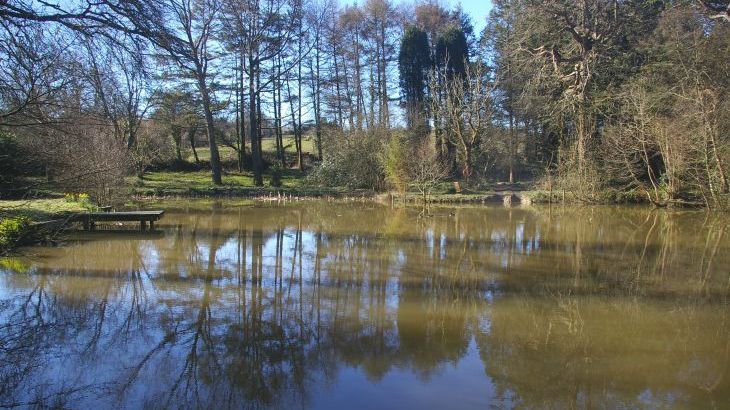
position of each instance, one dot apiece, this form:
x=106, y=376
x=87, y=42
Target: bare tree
x=718, y=9
x=121, y=83
x=467, y=109
x=32, y=74
x=426, y=171
x=194, y=52
x=267, y=29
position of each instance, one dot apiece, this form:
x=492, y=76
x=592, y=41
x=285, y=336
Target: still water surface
x=333, y=305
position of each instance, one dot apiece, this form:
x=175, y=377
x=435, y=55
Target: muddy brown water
x=359, y=305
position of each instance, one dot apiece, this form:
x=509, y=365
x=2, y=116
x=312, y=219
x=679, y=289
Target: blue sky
x=477, y=9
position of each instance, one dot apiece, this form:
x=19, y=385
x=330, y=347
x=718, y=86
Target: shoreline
x=45, y=218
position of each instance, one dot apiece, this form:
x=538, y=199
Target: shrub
x=351, y=160
x=412, y=163
x=395, y=159
x=82, y=156
x=13, y=231
x=426, y=171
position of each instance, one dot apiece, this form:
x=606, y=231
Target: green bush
x=395, y=160
x=13, y=231
x=352, y=160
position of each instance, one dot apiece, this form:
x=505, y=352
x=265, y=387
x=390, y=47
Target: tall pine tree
x=414, y=63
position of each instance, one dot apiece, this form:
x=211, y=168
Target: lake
x=336, y=305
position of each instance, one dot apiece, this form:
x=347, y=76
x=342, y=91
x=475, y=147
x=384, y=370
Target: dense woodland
x=607, y=100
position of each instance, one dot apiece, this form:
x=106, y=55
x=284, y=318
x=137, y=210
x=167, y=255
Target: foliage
x=466, y=109
x=599, y=98
x=86, y=159
x=82, y=199
x=396, y=161
x=351, y=160
x=668, y=138
x=411, y=162
x=414, y=64
x=452, y=51
x=12, y=231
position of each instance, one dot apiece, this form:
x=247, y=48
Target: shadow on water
x=359, y=305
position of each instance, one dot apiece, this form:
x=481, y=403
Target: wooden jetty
x=143, y=217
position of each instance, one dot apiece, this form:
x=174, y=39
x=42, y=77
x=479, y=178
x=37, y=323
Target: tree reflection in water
x=277, y=305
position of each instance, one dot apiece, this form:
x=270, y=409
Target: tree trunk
x=215, y=163
x=359, y=105
x=280, y=116
x=238, y=119
x=716, y=157
x=340, y=121
x=277, y=114
x=298, y=128
x=191, y=137
x=317, y=106
x=178, y=151
x=383, y=76
x=581, y=143
x=511, y=147
x=242, y=151
x=253, y=123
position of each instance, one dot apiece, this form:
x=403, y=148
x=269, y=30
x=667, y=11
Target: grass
x=39, y=209
x=198, y=183
x=201, y=204
x=228, y=154
x=308, y=146
x=293, y=182
x=202, y=179
x=17, y=217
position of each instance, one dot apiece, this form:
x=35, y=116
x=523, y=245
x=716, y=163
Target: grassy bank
x=165, y=184
x=18, y=219
x=235, y=184
x=41, y=209
x=170, y=184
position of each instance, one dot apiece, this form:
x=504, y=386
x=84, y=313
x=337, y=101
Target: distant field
x=267, y=145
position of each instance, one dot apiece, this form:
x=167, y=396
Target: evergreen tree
x=452, y=51
x=414, y=63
